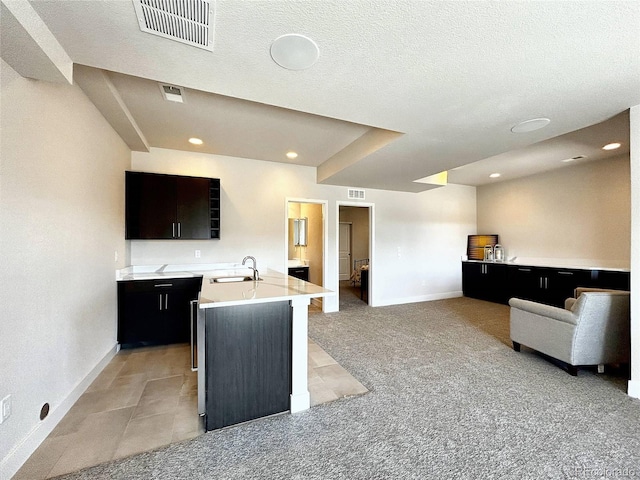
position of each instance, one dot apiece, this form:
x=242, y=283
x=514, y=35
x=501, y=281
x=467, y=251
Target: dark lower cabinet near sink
x=248, y=362
x=155, y=312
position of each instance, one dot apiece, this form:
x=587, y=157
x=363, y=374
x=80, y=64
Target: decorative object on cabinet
x=160, y=207
x=476, y=244
x=595, y=329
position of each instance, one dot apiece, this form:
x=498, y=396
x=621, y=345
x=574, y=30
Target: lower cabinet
x=300, y=272
x=485, y=281
x=552, y=286
x=546, y=285
x=155, y=312
x=248, y=362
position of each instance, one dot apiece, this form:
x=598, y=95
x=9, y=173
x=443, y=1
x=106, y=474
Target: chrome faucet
x=255, y=270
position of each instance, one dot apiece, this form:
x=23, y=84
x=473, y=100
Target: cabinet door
x=495, y=283
x=561, y=283
x=472, y=282
x=611, y=279
x=150, y=206
x=141, y=319
x=524, y=282
x=193, y=216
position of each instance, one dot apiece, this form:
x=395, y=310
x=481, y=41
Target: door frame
x=325, y=235
x=372, y=240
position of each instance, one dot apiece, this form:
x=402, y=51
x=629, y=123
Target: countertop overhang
x=273, y=287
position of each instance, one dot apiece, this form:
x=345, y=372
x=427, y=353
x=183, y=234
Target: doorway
x=306, y=241
x=355, y=254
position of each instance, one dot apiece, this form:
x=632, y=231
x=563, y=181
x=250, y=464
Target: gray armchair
x=592, y=329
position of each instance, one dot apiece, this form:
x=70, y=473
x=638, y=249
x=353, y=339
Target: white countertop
x=556, y=263
x=273, y=287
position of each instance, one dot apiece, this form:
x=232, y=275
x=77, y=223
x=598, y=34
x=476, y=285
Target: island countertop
x=273, y=287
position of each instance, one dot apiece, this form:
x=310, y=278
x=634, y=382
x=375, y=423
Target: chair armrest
x=543, y=310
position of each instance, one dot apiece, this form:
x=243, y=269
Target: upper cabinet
x=171, y=207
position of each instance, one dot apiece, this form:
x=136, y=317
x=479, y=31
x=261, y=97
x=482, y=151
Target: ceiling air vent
x=185, y=21
x=172, y=93
x=355, y=194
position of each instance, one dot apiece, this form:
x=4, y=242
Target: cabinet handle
x=540, y=282
x=160, y=299
x=546, y=282
x=164, y=285
x=179, y=230
x=565, y=273
x=166, y=301
x=194, y=366
x=524, y=269
x=173, y=230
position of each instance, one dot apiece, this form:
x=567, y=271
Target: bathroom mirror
x=300, y=232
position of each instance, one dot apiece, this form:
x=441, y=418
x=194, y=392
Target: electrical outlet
x=116, y=256
x=197, y=253
x=5, y=408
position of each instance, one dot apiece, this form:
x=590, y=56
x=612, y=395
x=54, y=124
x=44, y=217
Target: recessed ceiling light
x=494, y=175
x=292, y=155
x=294, y=52
x=530, y=125
x=195, y=141
x=611, y=146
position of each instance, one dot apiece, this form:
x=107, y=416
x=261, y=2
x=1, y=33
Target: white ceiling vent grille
x=185, y=21
x=172, y=93
x=355, y=194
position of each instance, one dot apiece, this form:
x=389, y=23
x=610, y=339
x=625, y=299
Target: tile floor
x=146, y=398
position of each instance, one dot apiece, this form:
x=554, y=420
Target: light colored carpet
x=448, y=398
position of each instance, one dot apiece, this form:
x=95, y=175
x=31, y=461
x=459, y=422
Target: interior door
x=344, y=250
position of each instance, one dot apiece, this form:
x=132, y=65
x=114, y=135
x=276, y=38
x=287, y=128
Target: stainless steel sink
x=232, y=279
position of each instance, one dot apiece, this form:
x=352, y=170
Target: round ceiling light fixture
x=494, y=175
x=195, y=141
x=611, y=146
x=292, y=155
x=294, y=52
x=530, y=125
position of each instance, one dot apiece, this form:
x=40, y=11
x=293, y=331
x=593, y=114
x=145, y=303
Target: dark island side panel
x=248, y=362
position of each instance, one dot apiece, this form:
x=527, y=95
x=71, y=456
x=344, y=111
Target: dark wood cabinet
x=546, y=285
x=300, y=272
x=171, y=207
x=500, y=282
x=155, y=312
x=248, y=362
x=485, y=281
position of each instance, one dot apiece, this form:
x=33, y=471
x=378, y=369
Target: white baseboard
x=634, y=388
x=419, y=298
x=21, y=452
x=300, y=402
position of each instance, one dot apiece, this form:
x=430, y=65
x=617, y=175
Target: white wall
x=61, y=221
x=634, y=129
x=419, y=237
x=579, y=213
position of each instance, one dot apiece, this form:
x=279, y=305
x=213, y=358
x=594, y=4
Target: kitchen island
x=252, y=346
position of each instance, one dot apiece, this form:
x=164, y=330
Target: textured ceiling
x=446, y=79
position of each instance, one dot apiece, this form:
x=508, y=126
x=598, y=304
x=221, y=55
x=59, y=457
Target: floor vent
x=185, y=21
x=355, y=194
